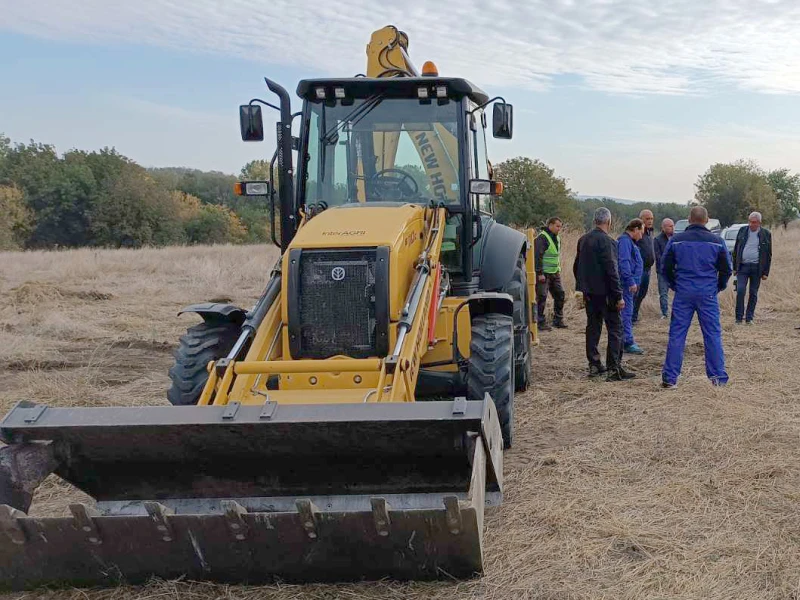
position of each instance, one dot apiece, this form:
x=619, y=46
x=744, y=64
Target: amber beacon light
x=429, y=69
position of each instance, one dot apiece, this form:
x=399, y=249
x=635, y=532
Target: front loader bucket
x=250, y=494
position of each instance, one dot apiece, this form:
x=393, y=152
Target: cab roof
x=363, y=87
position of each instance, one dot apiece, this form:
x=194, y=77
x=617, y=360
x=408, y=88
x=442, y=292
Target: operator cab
x=414, y=140
x=372, y=141
x=396, y=140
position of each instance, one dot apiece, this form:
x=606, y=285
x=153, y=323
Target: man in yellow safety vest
x=547, y=262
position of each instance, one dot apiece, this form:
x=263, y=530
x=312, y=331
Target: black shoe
x=597, y=370
x=544, y=327
x=619, y=374
x=559, y=325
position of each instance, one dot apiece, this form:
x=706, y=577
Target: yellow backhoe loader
x=352, y=423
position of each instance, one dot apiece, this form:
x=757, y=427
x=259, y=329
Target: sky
x=626, y=98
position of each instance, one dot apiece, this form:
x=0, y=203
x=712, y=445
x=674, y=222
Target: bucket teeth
x=84, y=522
x=453, y=515
x=308, y=517
x=233, y=515
x=159, y=513
x=380, y=513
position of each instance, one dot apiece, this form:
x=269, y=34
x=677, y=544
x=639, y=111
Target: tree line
x=104, y=199
x=731, y=191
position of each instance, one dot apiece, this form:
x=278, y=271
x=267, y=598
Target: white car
x=713, y=226
x=730, y=233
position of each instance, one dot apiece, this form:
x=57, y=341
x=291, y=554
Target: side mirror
x=502, y=120
x=485, y=187
x=250, y=123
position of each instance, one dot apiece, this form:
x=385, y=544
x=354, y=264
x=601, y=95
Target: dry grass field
x=614, y=491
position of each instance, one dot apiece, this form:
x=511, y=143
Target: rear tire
x=200, y=345
x=517, y=288
x=491, y=367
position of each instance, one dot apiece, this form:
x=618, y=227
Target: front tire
x=491, y=367
x=517, y=288
x=200, y=345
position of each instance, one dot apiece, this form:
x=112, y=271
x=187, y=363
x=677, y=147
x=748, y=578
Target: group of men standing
x=612, y=278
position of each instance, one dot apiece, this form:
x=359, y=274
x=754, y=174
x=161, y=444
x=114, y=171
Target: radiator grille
x=337, y=303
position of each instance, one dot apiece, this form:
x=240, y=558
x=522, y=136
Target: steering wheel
x=394, y=184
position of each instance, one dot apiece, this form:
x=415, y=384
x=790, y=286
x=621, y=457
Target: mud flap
x=253, y=494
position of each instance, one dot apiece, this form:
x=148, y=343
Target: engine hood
x=361, y=225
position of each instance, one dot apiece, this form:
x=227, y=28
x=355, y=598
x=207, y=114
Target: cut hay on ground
x=614, y=491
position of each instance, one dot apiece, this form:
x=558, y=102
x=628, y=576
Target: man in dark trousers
x=597, y=277
x=660, y=244
x=697, y=265
x=647, y=250
x=752, y=259
x=547, y=263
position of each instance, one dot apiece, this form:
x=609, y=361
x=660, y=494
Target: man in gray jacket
x=752, y=259
x=660, y=244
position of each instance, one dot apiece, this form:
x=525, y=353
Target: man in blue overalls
x=630, y=275
x=697, y=265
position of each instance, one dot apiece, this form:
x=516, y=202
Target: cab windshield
x=382, y=149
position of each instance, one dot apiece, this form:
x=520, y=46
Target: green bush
x=214, y=224
x=17, y=220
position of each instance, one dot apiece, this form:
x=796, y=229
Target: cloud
x=627, y=47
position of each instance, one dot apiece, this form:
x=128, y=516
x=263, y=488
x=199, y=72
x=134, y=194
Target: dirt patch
x=88, y=295
x=153, y=345
x=559, y=436
x=35, y=292
x=38, y=292
x=40, y=364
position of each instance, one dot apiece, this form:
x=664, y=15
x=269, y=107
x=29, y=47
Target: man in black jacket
x=647, y=249
x=597, y=277
x=752, y=259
